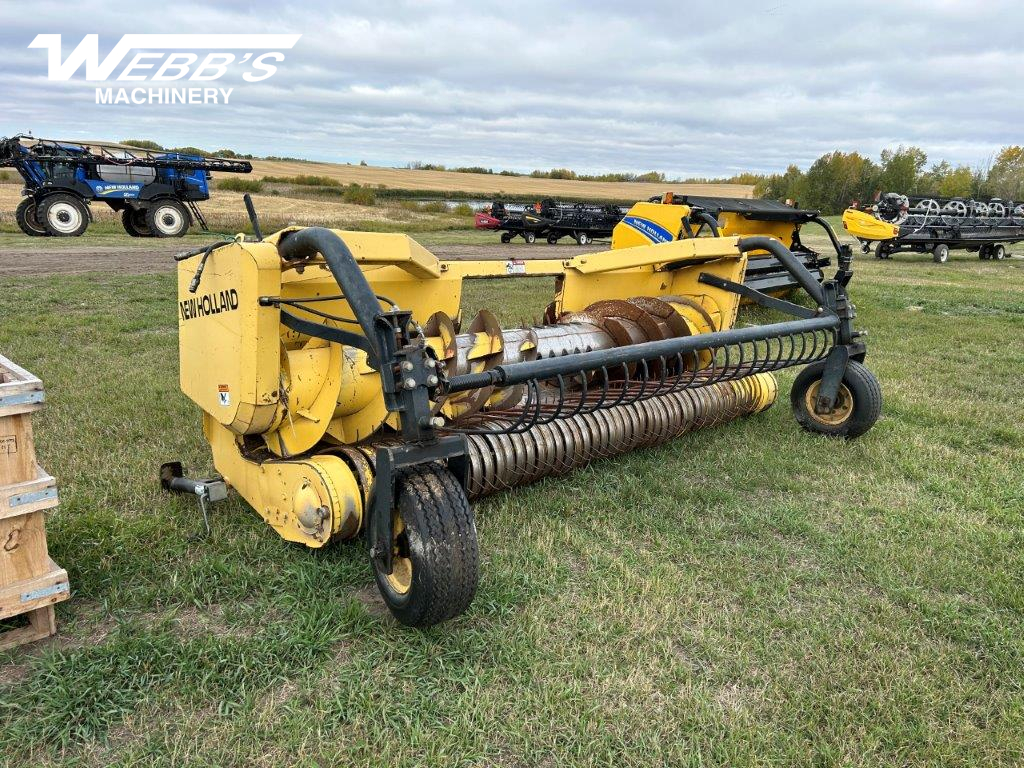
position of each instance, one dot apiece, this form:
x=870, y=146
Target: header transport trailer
x=583, y=222
x=901, y=224
x=155, y=192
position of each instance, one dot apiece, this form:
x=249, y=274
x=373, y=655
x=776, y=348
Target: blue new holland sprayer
x=155, y=192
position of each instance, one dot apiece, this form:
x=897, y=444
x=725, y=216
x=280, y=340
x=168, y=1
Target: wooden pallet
x=30, y=582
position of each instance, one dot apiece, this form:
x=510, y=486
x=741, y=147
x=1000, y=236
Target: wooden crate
x=30, y=582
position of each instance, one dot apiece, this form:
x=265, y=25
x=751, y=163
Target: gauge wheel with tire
x=63, y=215
x=167, y=218
x=530, y=237
x=999, y=252
x=881, y=250
x=940, y=254
x=858, y=404
x=134, y=221
x=25, y=215
x=984, y=253
x=506, y=237
x=583, y=238
x=552, y=240
x=435, y=561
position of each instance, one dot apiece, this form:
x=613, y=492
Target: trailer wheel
x=984, y=253
x=552, y=240
x=506, y=237
x=583, y=238
x=25, y=215
x=857, y=407
x=134, y=222
x=999, y=252
x=530, y=237
x=64, y=215
x=881, y=250
x=435, y=560
x=167, y=218
x=940, y=253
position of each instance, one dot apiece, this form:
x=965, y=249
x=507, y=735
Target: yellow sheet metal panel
x=863, y=225
x=383, y=248
x=504, y=267
x=228, y=344
x=735, y=224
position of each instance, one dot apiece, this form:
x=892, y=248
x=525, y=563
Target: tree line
x=837, y=179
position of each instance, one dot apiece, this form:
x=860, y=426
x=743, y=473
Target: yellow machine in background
x=866, y=227
x=340, y=391
x=674, y=217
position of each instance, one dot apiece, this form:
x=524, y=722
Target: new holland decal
x=653, y=232
x=210, y=304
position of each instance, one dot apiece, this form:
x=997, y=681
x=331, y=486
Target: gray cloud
x=689, y=90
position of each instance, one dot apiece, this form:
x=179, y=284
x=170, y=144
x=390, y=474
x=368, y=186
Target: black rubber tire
x=552, y=240
x=862, y=385
x=160, y=215
x=983, y=253
x=506, y=237
x=583, y=238
x=999, y=252
x=440, y=541
x=134, y=222
x=530, y=237
x=25, y=215
x=881, y=250
x=54, y=207
x=940, y=253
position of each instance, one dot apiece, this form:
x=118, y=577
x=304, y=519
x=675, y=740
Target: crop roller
x=341, y=392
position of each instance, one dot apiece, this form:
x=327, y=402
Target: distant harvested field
x=488, y=184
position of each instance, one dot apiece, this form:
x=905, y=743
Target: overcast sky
x=690, y=89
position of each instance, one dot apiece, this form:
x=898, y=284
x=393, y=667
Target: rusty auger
x=333, y=409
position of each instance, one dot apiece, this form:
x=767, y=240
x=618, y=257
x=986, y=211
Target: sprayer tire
x=134, y=222
x=437, y=562
x=167, y=218
x=63, y=215
x=25, y=215
x=859, y=390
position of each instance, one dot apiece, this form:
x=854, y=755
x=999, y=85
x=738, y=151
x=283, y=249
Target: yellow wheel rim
x=400, y=578
x=840, y=413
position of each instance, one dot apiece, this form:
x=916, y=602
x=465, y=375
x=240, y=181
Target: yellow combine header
x=341, y=393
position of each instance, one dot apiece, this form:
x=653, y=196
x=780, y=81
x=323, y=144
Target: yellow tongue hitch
x=341, y=392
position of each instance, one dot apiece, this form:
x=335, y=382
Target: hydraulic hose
x=307, y=243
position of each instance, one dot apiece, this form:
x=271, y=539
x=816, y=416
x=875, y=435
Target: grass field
x=747, y=596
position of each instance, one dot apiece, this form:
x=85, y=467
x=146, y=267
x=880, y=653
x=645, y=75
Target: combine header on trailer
x=583, y=222
x=901, y=224
x=156, y=192
x=678, y=217
x=340, y=393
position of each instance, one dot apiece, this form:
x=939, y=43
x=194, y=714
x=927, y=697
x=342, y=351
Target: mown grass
x=750, y=595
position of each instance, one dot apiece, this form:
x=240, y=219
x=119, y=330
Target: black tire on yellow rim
x=858, y=405
x=434, y=546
